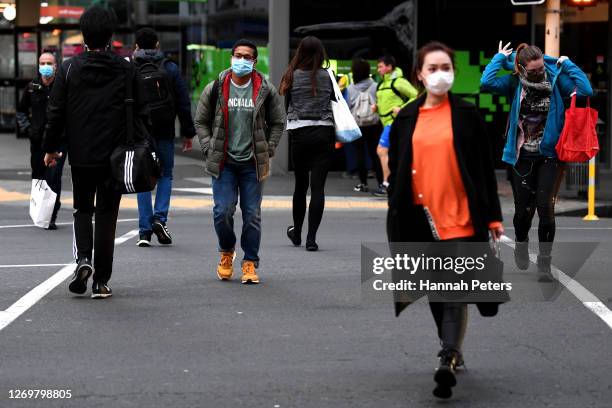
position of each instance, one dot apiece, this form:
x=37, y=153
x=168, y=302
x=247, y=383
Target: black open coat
x=406, y=222
x=474, y=157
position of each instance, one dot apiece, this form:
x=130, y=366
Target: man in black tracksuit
x=87, y=105
x=32, y=119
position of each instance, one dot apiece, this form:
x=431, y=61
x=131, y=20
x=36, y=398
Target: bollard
x=591, y=193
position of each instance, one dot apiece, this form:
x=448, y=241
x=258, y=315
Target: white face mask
x=439, y=82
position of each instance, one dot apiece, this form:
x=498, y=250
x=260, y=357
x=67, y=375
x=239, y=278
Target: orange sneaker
x=249, y=275
x=225, y=269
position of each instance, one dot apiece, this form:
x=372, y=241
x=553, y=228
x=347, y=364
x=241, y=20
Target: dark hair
x=360, y=69
x=526, y=53
x=420, y=59
x=146, y=38
x=245, y=43
x=310, y=56
x=388, y=60
x=98, y=25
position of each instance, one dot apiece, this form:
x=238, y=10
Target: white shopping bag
x=42, y=202
x=347, y=130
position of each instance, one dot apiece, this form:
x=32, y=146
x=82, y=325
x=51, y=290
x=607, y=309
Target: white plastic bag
x=347, y=130
x=42, y=202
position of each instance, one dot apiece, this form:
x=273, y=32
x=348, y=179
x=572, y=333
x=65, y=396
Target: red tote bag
x=578, y=141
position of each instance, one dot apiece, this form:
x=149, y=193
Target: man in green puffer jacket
x=239, y=120
x=392, y=94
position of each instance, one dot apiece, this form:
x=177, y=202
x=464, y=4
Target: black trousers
x=450, y=317
x=312, y=150
x=368, y=143
x=91, y=185
x=535, y=185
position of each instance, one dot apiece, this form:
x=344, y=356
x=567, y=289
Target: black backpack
x=157, y=92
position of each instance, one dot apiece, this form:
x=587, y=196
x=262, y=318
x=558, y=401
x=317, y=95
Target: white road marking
x=203, y=190
x=30, y=266
x=59, y=223
x=32, y=297
x=200, y=180
x=589, y=300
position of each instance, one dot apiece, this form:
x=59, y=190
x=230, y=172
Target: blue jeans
x=165, y=150
x=238, y=179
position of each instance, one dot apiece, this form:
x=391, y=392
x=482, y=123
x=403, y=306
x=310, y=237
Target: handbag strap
x=574, y=96
x=336, y=88
x=129, y=106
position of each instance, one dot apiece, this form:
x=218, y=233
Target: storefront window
x=28, y=54
x=51, y=41
x=7, y=106
x=7, y=56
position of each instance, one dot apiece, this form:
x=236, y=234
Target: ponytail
x=524, y=54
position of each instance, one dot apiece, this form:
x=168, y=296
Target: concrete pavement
x=174, y=336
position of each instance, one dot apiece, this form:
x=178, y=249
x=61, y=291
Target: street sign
x=527, y=2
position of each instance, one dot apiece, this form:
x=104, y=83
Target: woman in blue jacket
x=536, y=90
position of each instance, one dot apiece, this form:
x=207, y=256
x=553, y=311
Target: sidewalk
x=192, y=185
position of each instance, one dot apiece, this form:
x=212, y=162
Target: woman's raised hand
x=504, y=50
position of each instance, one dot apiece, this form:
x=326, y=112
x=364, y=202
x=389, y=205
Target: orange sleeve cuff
x=495, y=224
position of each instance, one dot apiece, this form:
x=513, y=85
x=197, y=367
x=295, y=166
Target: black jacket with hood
x=88, y=102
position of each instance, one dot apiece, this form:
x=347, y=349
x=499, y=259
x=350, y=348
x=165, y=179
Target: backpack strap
x=396, y=91
x=212, y=102
x=129, y=105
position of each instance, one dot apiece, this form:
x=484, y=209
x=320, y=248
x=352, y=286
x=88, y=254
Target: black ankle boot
x=445, y=374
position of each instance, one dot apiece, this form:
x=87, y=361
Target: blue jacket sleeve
x=571, y=77
x=182, y=101
x=490, y=82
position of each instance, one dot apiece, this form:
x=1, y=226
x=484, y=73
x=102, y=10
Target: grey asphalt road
x=174, y=336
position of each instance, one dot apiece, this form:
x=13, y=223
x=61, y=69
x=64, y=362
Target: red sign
x=62, y=11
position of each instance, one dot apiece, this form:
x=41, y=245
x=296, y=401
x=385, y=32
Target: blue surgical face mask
x=46, y=70
x=241, y=66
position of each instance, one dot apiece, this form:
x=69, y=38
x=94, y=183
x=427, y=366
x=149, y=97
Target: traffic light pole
x=553, y=28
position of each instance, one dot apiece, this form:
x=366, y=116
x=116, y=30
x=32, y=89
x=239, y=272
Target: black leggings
x=368, y=142
x=535, y=184
x=312, y=150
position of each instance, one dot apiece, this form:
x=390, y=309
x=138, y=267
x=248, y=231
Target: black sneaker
x=294, y=236
x=445, y=374
x=144, y=241
x=381, y=192
x=83, y=271
x=311, y=246
x=52, y=226
x=162, y=233
x=100, y=291
x=363, y=188
x=521, y=255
